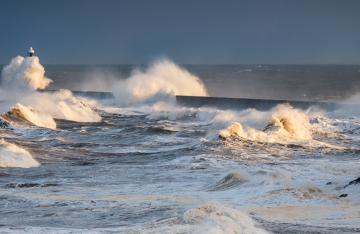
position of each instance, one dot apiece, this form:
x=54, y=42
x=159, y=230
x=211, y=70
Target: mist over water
x=20, y=81
x=286, y=124
x=289, y=82
x=161, y=79
x=141, y=163
x=24, y=73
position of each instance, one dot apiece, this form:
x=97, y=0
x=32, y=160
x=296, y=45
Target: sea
x=139, y=162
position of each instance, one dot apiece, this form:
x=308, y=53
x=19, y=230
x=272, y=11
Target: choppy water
x=315, y=82
x=160, y=167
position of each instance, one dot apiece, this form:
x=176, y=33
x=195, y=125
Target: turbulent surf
x=138, y=162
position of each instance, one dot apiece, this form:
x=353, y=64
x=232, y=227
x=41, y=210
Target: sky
x=186, y=31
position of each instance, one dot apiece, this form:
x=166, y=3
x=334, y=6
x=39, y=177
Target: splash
x=286, y=124
x=212, y=218
x=64, y=105
x=25, y=73
x=161, y=79
x=348, y=107
x=291, y=122
x=33, y=116
x=41, y=109
x=22, y=77
x=12, y=155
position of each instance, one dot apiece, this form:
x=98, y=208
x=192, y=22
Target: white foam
x=286, y=124
x=12, y=155
x=163, y=78
x=63, y=105
x=213, y=218
x=33, y=116
x=206, y=219
x=25, y=73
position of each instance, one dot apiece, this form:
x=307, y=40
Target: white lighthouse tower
x=31, y=52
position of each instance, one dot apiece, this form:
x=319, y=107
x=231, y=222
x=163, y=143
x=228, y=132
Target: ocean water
x=140, y=163
x=299, y=82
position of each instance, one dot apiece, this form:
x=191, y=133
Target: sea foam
x=25, y=73
x=12, y=155
x=161, y=79
x=33, y=116
x=213, y=218
x=286, y=124
x=22, y=77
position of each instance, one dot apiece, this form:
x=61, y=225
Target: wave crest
x=213, y=218
x=24, y=75
x=12, y=155
x=163, y=78
x=64, y=105
x=231, y=180
x=287, y=124
x=31, y=115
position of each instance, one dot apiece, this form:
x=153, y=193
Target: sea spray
x=286, y=124
x=25, y=73
x=12, y=155
x=63, y=104
x=293, y=122
x=35, y=117
x=162, y=79
x=216, y=218
x=350, y=107
x=20, y=80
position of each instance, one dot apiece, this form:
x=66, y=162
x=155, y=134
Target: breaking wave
x=208, y=218
x=64, y=105
x=162, y=79
x=12, y=155
x=35, y=117
x=212, y=218
x=286, y=124
x=231, y=180
x=20, y=80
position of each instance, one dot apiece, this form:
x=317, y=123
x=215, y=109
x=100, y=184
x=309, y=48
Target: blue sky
x=190, y=32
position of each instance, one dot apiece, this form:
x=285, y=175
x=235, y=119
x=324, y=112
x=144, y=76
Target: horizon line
x=201, y=64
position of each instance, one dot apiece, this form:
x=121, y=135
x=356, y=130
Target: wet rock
x=29, y=185
x=83, y=163
x=49, y=185
x=353, y=182
x=49, y=215
x=24, y=185
x=3, y=174
x=4, y=123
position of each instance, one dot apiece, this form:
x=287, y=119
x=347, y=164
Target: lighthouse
x=31, y=52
